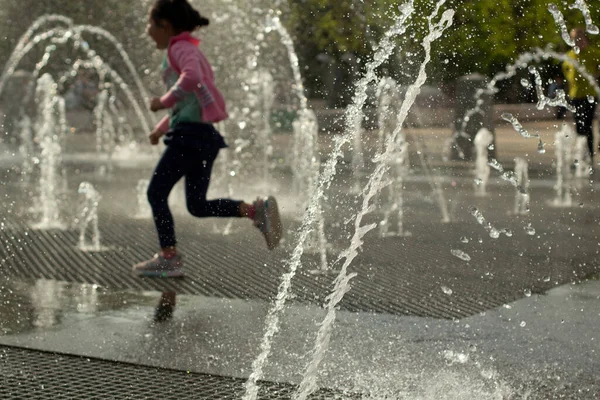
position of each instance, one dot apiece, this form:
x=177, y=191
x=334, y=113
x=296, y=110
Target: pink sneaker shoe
x=268, y=221
x=159, y=266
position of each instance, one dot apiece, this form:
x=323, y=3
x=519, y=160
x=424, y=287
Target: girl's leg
x=264, y=213
x=168, y=263
x=197, y=180
x=168, y=171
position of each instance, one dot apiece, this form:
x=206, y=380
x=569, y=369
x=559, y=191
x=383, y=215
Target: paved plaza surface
x=518, y=319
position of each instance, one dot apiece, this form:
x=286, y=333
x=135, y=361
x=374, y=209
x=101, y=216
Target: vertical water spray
x=358, y=158
x=143, y=207
x=393, y=201
x=89, y=215
x=582, y=159
x=522, y=194
x=483, y=140
x=49, y=134
x=308, y=384
x=387, y=99
x=261, y=97
x=26, y=149
x=382, y=53
x=306, y=168
x=563, y=145
x=394, y=204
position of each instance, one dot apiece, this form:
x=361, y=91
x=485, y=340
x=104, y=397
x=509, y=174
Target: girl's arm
x=186, y=58
x=163, y=125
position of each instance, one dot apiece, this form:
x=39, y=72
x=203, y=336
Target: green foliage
x=485, y=37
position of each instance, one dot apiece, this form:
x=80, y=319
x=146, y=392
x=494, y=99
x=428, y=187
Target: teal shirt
x=185, y=110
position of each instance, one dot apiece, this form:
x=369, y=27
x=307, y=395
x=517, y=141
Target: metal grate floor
x=398, y=275
x=41, y=375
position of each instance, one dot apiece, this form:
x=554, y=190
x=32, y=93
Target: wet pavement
x=518, y=320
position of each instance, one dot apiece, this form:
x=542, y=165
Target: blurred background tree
x=486, y=36
x=334, y=38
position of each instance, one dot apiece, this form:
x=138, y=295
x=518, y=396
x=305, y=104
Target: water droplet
x=546, y=279
x=491, y=147
x=522, y=324
x=591, y=99
x=541, y=148
x=527, y=292
x=460, y=254
x=581, y=205
x=530, y=230
x=576, y=163
x=464, y=239
x=478, y=181
x=525, y=83
x=446, y=290
x=494, y=233
x=507, y=306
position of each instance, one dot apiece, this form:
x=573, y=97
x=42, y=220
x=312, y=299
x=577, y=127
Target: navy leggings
x=191, y=151
x=584, y=118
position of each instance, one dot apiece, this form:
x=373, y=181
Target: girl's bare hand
x=154, y=137
x=156, y=104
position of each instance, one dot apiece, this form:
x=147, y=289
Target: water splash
x=26, y=40
x=530, y=230
x=460, y=254
x=508, y=176
x=560, y=100
x=381, y=54
x=491, y=230
x=523, y=60
x=589, y=24
x=308, y=384
x=523, y=132
x=564, y=31
x=73, y=33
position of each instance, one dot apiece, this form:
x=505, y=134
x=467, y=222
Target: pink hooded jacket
x=195, y=75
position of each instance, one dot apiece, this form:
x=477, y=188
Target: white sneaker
x=158, y=266
x=268, y=221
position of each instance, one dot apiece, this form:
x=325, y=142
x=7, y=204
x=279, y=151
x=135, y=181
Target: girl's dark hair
x=179, y=13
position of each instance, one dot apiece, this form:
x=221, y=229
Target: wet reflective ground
x=418, y=321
